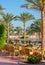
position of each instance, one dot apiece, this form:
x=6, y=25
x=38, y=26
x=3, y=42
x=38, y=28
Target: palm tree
x=38, y=27
x=1, y=21
x=8, y=18
x=30, y=29
x=1, y=10
x=24, y=17
x=11, y=29
x=18, y=30
x=39, y=5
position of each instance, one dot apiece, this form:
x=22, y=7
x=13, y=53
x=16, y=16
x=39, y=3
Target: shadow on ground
x=4, y=63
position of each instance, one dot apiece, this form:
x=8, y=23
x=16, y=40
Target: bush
x=34, y=58
x=23, y=37
x=2, y=35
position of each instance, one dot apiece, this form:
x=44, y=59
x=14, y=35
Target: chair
x=6, y=48
x=11, y=50
x=24, y=52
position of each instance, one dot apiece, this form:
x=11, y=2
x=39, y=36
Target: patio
x=7, y=60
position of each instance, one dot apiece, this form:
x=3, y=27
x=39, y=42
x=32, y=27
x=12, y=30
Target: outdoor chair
x=6, y=48
x=23, y=52
x=11, y=50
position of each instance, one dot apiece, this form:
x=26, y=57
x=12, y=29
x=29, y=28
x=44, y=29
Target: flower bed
x=34, y=58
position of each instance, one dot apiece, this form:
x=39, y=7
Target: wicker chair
x=6, y=48
x=23, y=52
x=11, y=50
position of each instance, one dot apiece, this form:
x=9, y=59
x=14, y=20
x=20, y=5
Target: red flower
x=37, y=59
x=36, y=53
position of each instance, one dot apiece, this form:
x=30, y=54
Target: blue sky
x=13, y=6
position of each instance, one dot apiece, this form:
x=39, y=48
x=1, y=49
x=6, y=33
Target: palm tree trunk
x=24, y=33
x=43, y=29
x=39, y=35
x=18, y=35
x=8, y=33
x=36, y=34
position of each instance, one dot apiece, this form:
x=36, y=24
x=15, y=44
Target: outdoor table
x=29, y=50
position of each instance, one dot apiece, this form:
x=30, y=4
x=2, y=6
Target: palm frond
x=1, y=8
x=8, y=17
x=24, y=17
x=30, y=6
x=33, y=2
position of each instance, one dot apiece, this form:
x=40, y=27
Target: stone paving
x=7, y=60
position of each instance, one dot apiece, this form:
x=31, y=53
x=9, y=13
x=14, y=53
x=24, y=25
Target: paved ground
x=7, y=60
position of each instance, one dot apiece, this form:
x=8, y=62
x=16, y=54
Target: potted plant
x=34, y=58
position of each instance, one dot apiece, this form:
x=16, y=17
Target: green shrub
x=34, y=58
x=23, y=37
x=2, y=35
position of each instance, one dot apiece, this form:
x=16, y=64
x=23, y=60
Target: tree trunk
x=39, y=35
x=43, y=29
x=18, y=35
x=36, y=34
x=8, y=33
x=24, y=33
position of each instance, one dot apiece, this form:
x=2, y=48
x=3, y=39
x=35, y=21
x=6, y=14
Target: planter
x=34, y=58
